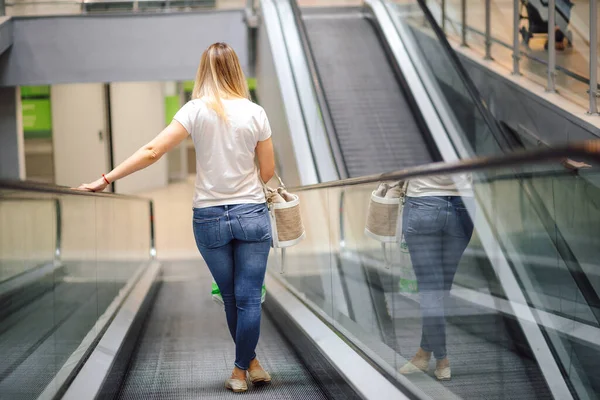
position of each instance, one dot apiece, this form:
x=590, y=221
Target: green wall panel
x=37, y=118
x=188, y=86
x=35, y=91
x=171, y=107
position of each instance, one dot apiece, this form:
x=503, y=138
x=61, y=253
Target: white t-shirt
x=225, y=169
x=441, y=185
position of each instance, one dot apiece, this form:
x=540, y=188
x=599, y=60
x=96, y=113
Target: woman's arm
x=170, y=137
x=266, y=159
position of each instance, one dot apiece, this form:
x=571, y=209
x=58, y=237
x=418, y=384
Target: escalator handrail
x=322, y=102
x=57, y=189
x=588, y=150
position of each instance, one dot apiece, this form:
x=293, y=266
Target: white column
x=79, y=133
x=137, y=116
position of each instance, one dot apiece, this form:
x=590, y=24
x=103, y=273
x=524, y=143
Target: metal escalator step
x=186, y=352
x=374, y=123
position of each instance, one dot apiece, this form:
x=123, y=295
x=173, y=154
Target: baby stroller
x=537, y=10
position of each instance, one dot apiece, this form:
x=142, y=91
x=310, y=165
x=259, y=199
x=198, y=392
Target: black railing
x=55, y=189
x=585, y=150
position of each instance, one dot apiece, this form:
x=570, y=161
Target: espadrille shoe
x=442, y=370
x=415, y=365
x=419, y=363
x=259, y=376
x=236, y=385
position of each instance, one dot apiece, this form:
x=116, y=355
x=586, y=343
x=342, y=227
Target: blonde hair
x=219, y=76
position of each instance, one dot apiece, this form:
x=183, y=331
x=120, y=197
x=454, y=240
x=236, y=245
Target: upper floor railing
x=510, y=33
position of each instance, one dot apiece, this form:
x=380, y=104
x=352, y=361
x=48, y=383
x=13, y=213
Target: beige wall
x=138, y=115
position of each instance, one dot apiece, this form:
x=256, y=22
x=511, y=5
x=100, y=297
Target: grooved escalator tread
x=186, y=352
x=373, y=120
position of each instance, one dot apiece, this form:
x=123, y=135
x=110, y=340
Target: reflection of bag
x=216, y=293
x=383, y=213
x=384, y=223
x=385, y=208
x=284, y=211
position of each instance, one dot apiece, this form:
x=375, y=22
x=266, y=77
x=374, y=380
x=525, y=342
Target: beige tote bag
x=287, y=228
x=286, y=221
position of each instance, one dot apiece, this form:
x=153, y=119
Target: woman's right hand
x=96, y=186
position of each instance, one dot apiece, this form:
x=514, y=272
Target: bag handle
x=266, y=190
x=404, y=191
x=264, y=185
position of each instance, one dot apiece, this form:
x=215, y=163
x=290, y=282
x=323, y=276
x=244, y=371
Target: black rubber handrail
x=55, y=189
x=586, y=150
x=323, y=104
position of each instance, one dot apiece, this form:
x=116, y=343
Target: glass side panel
x=308, y=265
x=480, y=279
x=63, y=261
x=36, y=238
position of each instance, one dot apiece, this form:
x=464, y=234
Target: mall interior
x=105, y=295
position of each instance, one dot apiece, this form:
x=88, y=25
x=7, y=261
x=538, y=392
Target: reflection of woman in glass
x=437, y=228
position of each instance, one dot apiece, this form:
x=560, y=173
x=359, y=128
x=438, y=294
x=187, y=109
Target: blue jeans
x=437, y=230
x=234, y=241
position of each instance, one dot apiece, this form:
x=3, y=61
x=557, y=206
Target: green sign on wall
x=37, y=114
x=188, y=86
x=35, y=91
x=251, y=84
x=171, y=108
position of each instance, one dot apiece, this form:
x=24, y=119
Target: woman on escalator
x=231, y=222
x=437, y=227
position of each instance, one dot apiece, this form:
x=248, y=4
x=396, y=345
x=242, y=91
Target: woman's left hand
x=96, y=186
